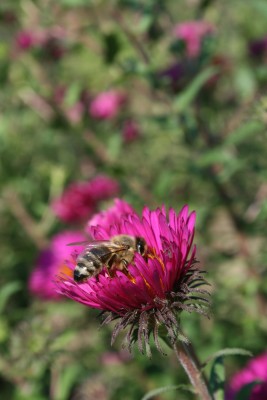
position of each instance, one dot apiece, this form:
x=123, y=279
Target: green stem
x=184, y=356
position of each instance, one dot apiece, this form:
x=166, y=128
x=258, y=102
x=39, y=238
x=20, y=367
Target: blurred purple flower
x=193, y=33
x=156, y=286
x=80, y=199
x=174, y=75
x=51, y=261
x=256, y=369
x=130, y=131
x=106, y=105
x=258, y=48
x=25, y=40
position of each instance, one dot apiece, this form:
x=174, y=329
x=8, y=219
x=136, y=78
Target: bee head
x=80, y=273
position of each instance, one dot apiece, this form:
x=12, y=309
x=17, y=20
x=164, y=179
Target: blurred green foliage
x=202, y=142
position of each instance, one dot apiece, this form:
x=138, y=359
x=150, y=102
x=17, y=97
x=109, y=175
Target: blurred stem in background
x=27, y=223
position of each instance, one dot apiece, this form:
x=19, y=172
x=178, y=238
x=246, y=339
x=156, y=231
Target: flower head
x=50, y=262
x=105, y=219
x=155, y=287
x=25, y=40
x=255, y=370
x=80, y=199
x=193, y=33
x=106, y=105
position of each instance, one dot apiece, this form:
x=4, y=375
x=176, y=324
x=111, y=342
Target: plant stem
x=191, y=368
x=16, y=206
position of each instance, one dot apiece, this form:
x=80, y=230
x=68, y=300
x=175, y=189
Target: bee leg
x=109, y=266
x=123, y=266
x=109, y=272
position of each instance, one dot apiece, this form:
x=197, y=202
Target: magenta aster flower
x=157, y=286
x=50, y=262
x=255, y=370
x=80, y=199
x=193, y=33
x=25, y=40
x=105, y=219
x=103, y=187
x=106, y=105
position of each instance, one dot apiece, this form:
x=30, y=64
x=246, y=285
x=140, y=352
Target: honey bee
x=116, y=253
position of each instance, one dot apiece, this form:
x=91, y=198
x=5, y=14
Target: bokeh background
x=155, y=103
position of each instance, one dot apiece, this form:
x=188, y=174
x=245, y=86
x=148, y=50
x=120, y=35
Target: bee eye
x=140, y=246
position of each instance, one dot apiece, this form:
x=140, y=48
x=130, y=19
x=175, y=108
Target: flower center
x=154, y=256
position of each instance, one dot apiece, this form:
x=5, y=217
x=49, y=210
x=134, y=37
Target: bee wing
x=78, y=243
x=110, y=247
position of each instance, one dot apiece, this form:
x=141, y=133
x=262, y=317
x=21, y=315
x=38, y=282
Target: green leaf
x=155, y=392
x=66, y=381
x=182, y=101
x=72, y=94
x=246, y=130
x=61, y=342
x=217, y=374
x=114, y=146
x=227, y=352
x=217, y=379
x=245, y=392
x=111, y=47
x=75, y=3
x=214, y=156
x=7, y=291
x=245, y=82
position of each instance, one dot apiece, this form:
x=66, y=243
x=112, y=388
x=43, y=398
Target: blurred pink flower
x=156, y=286
x=51, y=262
x=75, y=113
x=256, y=369
x=130, y=131
x=25, y=40
x=102, y=187
x=106, y=105
x=192, y=33
x=80, y=199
